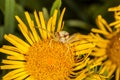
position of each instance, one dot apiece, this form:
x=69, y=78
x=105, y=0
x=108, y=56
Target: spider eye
x=57, y=34
x=65, y=35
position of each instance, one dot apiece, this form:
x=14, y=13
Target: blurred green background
x=80, y=15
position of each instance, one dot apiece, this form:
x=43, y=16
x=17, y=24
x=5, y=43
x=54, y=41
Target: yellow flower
x=43, y=55
x=107, y=40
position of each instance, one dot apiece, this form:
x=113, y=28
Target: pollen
x=49, y=60
x=113, y=49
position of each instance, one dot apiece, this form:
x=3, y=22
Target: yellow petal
x=19, y=40
x=60, y=20
x=43, y=25
x=78, y=67
x=12, y=48
x=39, y=26
x=84, y=46
x=11, y=66
x=15, y=43
x=10, y=52
x=17, y=75
x=28, y=37
x=117, y=74
x=13, y=62
x=113, y=68
x=13, y=72
x=16, y=58
x=22, y=77
x=30, y=78
x=54, y=18
x=32, y=27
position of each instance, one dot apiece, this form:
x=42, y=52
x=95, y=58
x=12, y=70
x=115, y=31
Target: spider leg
x=72, y=39
x=51, y=42
x=53, y=39
x=66, y=51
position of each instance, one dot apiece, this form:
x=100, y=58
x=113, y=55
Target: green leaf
x=9, y=16
x=56, y=5
x=19, y=10
x=105, y=73
x=78, y=24
x=1, y=33
x=46, y=14
x=95, y=69
x=100, y=68
x=2, y=5
x=88, y=67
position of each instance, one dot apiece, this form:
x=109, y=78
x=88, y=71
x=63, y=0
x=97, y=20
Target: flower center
x=49, y=60
x=113, y=49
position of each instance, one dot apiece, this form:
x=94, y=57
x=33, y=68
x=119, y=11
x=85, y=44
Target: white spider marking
x=62, y=36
